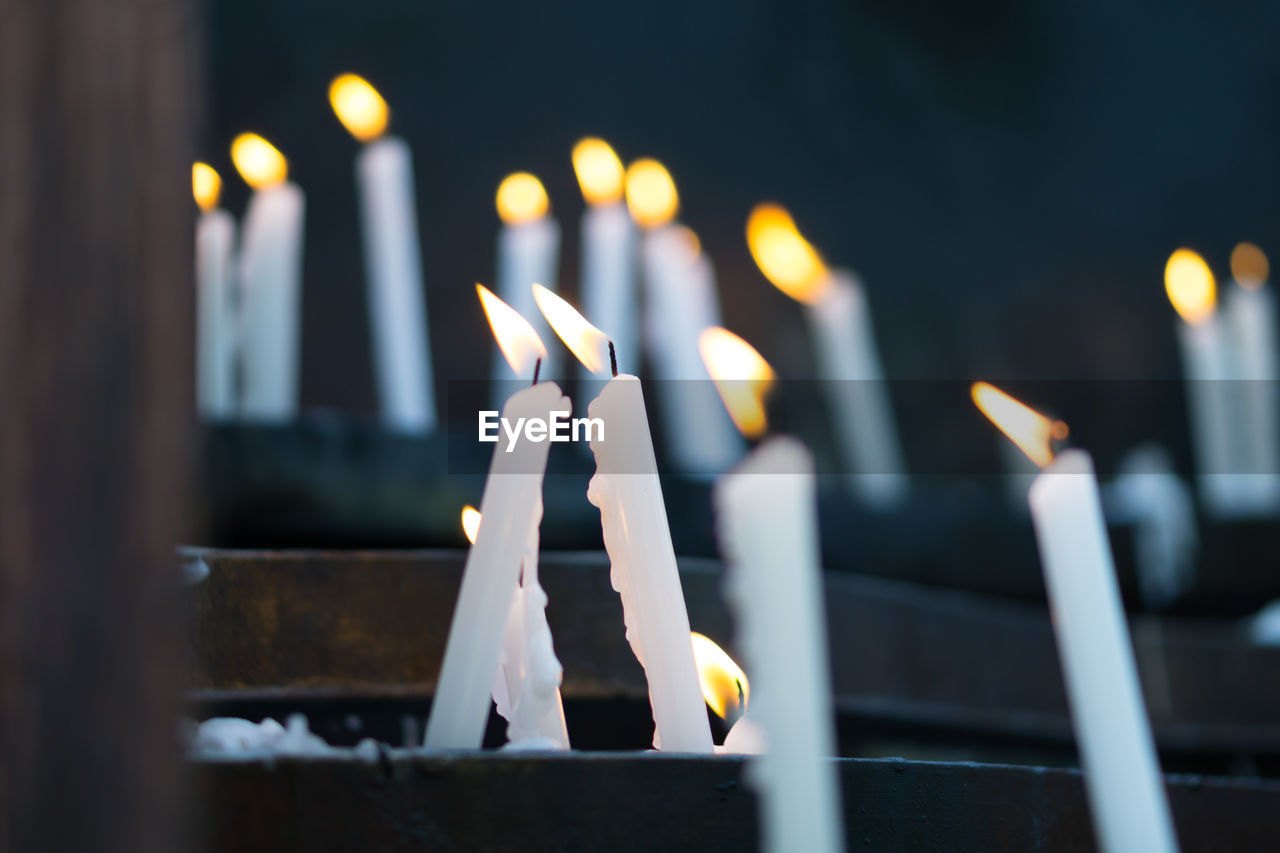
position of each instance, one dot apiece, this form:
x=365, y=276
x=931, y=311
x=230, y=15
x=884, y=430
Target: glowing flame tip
x=359, y=107
x=741, y=375
x=1031, y=431
x=724, y=684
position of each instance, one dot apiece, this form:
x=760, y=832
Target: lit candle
x=1251, y=311
x=528, y=254
x=215, y=318
x=392, y=257
x=726, y=691
x=270, y=282
x=526, y=686
x=1208, y=365
x=847, y=359
x=767, y=526
x=512, y=510
x=680, y=301
x=636, y=535
x=1113, y=735
x=608, y=251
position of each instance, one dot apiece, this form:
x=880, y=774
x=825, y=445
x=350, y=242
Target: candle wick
x=537, y=368
x=613, y=359
x=742, y=699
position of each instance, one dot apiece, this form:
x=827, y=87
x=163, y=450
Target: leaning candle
x=634, y=518
x=511, y=510
x=215, y=318
x=392, y=257
x=1117, y=753
x=680, y=301
x=270, y=282
x=528, y=253
x=766, y=523
x=1251, y=313
x=608, y=280
x=847, y=359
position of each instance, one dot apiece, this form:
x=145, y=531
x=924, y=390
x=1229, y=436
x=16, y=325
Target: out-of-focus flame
x=1249, y=266
x=258, y=161
x=651, y=194
x=785, y=257
x=600, y=172
x=584, y=340
x=724, y=684
x=470, y=522
x=518, y=341
x=1033, y=432
x=521, y=198
x=741, y=375
x=206, y=185
x=1190, y=285
x=358, y=106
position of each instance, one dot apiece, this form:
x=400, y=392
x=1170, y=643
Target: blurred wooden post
x=96, y=419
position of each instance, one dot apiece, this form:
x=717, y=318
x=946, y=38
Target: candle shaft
x=1209, y=367
x=1252, y=315
x=215, y=329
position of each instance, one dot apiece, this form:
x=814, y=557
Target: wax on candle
x=1117, y=753
x=393, y=259
x=270, y=282
x=215, y=315
x=1251, y=314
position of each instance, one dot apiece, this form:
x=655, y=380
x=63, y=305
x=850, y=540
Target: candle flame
x=206, y=185
x=1190, y=285
x=521, y=198
x=258, y=161
x=724, y=684
x=359, y=107
x=600, y=172
x=785, y=257
x=1249, y=266
x=518, y=341
x=741, y=375
x=589, y=344
x=1033, y=432
x=651, y=194
x=470, y=522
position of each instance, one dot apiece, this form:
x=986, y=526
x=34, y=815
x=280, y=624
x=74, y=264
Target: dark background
x=1009, y=178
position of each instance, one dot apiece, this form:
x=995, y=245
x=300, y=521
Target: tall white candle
x=1117, y=753
x=636, y=535
x=511, y=510
x=528, y=254
x=848, y=361
x=215, y=316
x=393, y=259
x=1251, y=312
x=680, y=301
x=270, y=282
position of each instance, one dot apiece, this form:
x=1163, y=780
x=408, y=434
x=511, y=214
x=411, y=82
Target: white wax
x=766, y=522
x=1208, y=366
x=510, y=508
x=680, y=301
x=1252, y=316
x=270, y=297
x=215, y=315
x=1113, y=735
x=393, y=268
x=643, y=566
x=849, y=365
x=609, y=298
x=528, y=254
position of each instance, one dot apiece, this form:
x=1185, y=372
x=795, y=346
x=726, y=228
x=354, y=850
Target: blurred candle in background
x=680, y=301
x=847, y=359
x=528, y=254
x=1250, y=308
x=270, y=282
x=392, y=257
x=215, y=298
x=1117, y=752
x=608, y=252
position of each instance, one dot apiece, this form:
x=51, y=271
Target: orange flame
x=470, y=522
x=1189, y=283
x=600, y=172
x=258, y=161
x=206, y=185
x=518, y=341
x=358, y=106
x=584, y=340
x=741, y=375
x=521, y=198
x=1031, y=431
x=651, y=194
x=724, y=684
x=1249, y=266
x=785, y=257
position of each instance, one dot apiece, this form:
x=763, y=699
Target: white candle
x=1117, y=753
x=393, y=260
x=680, y=301
x=608, y=282
x=512, y=510
x=1251, y=313
x=270, y=282
x=847, y=359
x=215, y=317
x=528, y=254
x=642, y=559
